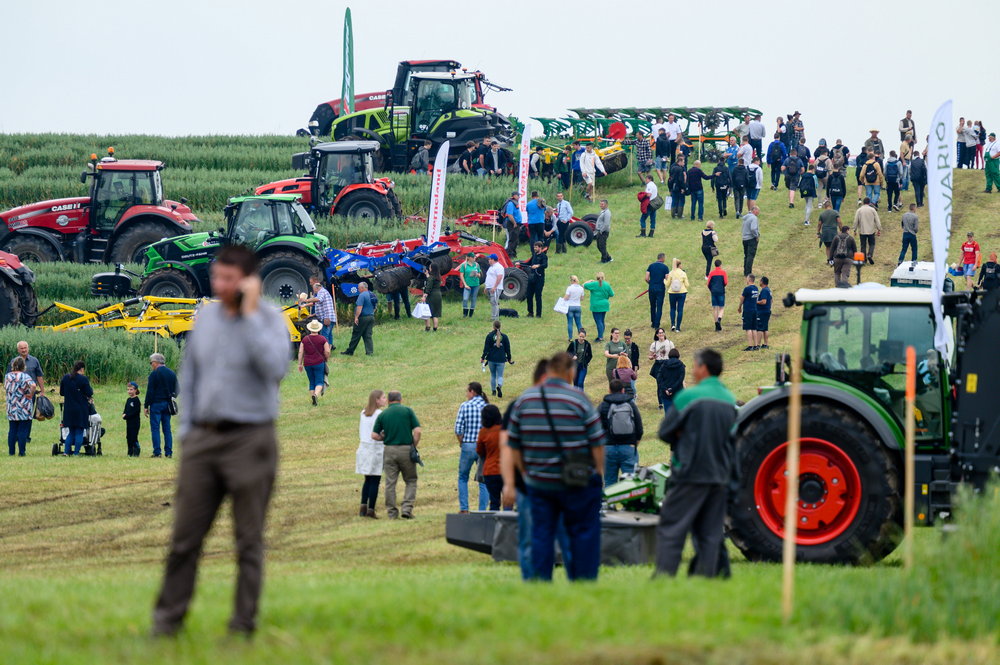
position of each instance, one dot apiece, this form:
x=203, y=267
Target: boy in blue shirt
x=748, y=308
x=763, y=312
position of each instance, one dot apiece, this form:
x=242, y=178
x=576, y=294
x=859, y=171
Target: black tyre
x=397, y=207
x=10, y=309
x=168, y=283
x=515, y=284
x=132, y=243
x=614, y=162
x=365, y=205
x=579, y=234
x=284, y=275
x=849, y=505
x=31, y=248
x=27, y=302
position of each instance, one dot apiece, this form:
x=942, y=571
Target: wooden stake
x=908, y=475
x=792, y=482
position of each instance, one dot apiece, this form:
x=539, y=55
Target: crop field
x=82, y=540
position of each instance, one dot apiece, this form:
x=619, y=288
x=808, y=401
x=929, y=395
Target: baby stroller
x=91, y=436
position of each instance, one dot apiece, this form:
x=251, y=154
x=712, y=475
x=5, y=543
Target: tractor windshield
x=253, y=224
x=339, y=170
x=117, y=191
x=865, y=345
x=436, y=97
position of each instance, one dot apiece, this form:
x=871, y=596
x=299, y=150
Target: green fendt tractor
x=439, y=106
x=851, y=479
x=277, y=227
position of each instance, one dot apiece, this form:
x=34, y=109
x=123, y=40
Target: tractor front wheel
x=27, y=302
x=514, y=285
x=365, y=205
x=168, y=283
x=132, y=243
x=284, y=275
x=30, y=248
x=849, y=508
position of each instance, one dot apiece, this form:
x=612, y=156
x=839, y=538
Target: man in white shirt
x=673, y=133
x=744, y=154
x=654, y=130
x=564, y=215
x=590, y=162
x=494, y=285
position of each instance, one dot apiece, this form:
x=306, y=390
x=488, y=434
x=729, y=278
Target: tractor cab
x=338, y=166
x=435, y=95
x=858, y=339
x=117, y=186
x=251, y=220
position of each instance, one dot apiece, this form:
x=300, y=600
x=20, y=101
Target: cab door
x=114, y=194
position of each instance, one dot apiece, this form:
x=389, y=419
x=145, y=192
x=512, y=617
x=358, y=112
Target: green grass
x=82, y=540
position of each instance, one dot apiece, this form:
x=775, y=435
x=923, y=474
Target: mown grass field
x=82, y=540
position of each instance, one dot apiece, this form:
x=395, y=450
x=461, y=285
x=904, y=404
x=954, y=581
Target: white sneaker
x=805, y=223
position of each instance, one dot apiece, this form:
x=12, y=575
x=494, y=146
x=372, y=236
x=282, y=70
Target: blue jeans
x=619, y=458
x=573, y=316
x=524, y=537
x=580, y=510
x=315, y=373
x=466, y=459
x=836, y=201
x=17, y=435
x=599, y=322
x=581, y=376
x=469, y=296
x=496, y=374
x=74, y=441
x=677, y=309
x=327, y=333
x=698, y=201
x=159, y=413
x=652, y=220
x=909, y=240
x=873, y=192
x=655, y=307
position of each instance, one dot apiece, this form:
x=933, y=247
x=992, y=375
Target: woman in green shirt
x=470, y=275
x=612, y=351
x=600, y=293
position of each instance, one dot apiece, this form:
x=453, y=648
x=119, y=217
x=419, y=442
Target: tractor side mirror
x=83, y=178
x=300, y=161
x=184, y=201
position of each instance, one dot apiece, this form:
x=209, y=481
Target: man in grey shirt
x=909, y=223
x=233, y=363
x=751, y=236
x=602, y=228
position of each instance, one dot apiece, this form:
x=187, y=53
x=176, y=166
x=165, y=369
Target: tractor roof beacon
x=276, y=227
x=853, y=386
x=340, y=179
x=124, y=213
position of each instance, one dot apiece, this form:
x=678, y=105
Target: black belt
x=226, y=425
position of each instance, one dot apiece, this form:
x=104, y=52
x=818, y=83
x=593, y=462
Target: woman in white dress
x=369, y=456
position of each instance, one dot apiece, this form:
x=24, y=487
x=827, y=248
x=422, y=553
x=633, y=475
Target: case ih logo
x=68, y=206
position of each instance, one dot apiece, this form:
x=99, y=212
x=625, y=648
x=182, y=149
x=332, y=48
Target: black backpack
x=807, y=185
x=792, y=167
x=722, y=178
x=821, y=167
x=774, y=153
x=891, y=171
x=871, y=173
x=836, y=185
x=740, y=177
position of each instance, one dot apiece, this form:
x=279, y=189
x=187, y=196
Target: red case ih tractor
x=339, y=180
x=124, y=214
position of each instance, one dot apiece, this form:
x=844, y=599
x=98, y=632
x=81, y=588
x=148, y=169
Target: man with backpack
x=823, y=166
x=792, y=168
x=842, y=252
x=893, y=171
x=776, y=154
x=741, y=178
x=721, y=183
x=807, y=189
x=623, y=424
x=918, y=178
x=836, y=188
x=874, y=179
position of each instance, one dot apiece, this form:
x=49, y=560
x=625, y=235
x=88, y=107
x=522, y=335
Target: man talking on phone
x=234, y=360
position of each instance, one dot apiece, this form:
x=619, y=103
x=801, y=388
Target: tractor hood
x=189, y=242
x=21, y=215
x=181, y=209
x=301, y=187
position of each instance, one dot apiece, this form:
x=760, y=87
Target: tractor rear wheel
x=397, y=207
x=365, y=205
x=284, y=275
x=10, y=308
x=168, y=283
x=28, y=303
x=132, y=243
x=514, y=285
x=30, y=248
x=849, y=508
x=579, y=234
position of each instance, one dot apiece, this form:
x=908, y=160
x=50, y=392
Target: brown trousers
x=240, y=462
x=842, y=271
x=397, y=461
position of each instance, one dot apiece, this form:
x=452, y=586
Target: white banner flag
x=939, y=191
x=436, y=212
x=522, y=174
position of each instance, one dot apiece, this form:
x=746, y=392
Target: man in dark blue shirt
x=748, y=308
x=536, y=219
x=764, y=300
x=364, y=321
x=161, y=388
x=656, y=276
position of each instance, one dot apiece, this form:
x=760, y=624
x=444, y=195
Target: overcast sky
x=180, y=67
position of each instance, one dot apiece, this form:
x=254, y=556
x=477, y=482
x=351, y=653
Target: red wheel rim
x=829, y=491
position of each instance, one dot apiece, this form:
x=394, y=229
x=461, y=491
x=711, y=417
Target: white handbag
x=422, y=311
x=562, y=306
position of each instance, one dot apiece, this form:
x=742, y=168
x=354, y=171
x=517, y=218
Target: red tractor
x=18, y=305
x=124, y=214
x=340, y=180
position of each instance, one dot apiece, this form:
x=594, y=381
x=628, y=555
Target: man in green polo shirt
x=697, y=429
x=399, y=429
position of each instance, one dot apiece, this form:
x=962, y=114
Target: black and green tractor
x=276, y=227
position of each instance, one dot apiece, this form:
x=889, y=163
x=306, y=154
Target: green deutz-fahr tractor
x=851, y=480
x=277, y=227
x=439, y=106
